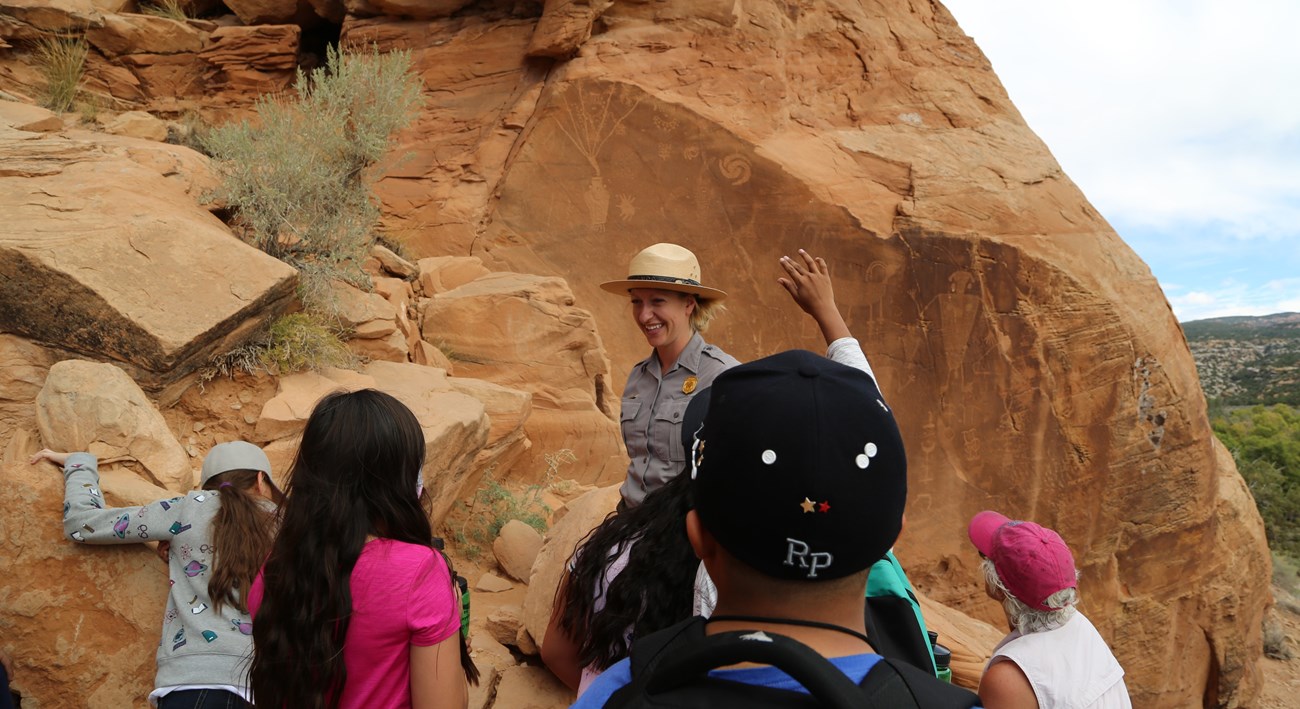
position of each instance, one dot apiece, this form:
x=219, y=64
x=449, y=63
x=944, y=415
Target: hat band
x=666, y=279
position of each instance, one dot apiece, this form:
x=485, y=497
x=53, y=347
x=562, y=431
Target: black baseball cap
x=799, y=469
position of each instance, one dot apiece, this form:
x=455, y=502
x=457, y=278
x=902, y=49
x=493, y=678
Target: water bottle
x=942, y=662
x=942, y=658
x=464, y=606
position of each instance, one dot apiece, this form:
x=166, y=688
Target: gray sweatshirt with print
x=199, y=644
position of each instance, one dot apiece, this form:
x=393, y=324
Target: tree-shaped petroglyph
x=589, y=118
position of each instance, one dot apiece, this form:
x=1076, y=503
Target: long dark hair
x=653, y=592
x=242, y=532
x=355, y=475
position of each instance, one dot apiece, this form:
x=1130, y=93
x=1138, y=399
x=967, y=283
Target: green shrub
x=300, y=179
x=293, y=343
x=299, y=342
x=62, y=60
x=1265, y=442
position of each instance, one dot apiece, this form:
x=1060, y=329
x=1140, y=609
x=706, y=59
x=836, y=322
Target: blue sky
x=1180, y=121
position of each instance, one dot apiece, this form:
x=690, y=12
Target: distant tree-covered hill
x=1248, y=360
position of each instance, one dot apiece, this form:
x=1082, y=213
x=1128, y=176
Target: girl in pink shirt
x=354, y=608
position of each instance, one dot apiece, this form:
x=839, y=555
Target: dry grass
x=171, y=9
x=62, y=61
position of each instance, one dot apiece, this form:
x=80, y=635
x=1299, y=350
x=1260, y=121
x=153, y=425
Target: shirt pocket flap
x=630, y=409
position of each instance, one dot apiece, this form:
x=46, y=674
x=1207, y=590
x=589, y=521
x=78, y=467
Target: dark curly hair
x=653, y=592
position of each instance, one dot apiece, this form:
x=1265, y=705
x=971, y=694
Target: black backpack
x=670, y=669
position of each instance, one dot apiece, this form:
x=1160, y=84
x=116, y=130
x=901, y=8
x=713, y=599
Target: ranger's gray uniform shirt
x=653, y=406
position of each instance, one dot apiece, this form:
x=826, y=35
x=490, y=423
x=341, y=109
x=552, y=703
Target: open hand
x=54, y=457
x=808, y=281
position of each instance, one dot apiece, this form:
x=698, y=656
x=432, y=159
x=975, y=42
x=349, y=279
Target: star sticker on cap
x=807, y=505
x=824, y=506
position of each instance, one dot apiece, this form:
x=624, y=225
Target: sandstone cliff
x=1034, y=363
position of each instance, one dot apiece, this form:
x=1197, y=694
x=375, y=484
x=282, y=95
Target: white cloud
x=1233, y=299
x=1162, y=111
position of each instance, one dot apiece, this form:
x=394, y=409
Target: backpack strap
x=899, y=684
x=823, y=680
x=670, y=668
x=894, y=632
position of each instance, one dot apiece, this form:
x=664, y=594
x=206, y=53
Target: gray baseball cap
x=235, y=455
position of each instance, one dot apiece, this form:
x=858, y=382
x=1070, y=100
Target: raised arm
x=808, y=280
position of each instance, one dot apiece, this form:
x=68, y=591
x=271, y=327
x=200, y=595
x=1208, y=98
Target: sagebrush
x=299, y=178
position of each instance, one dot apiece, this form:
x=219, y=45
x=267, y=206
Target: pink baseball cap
x=1032, y=561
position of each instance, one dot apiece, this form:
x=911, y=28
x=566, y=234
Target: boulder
x=74, y=615
x=392, y=263
x=395, y=290
x=581, y=516
x=129, y=269
x=564, y=26
x=137, y=124
x=26, y=117
x=96, y=407
x=370, y=315
x=392, y=347
x=428, y=355
x=440, y=274
x=272, y=12
x=504, y=624
x=515, y=549
x=482, y=694
x=529, y=687
x=35, y=19
x=491, y=583
x=508, y=410
x=145, y=34
x=455, y=426
x=551, y=349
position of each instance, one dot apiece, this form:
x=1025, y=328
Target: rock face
x=1035, y=364
x=128, y=268
x=524, y=332
x=104, y=642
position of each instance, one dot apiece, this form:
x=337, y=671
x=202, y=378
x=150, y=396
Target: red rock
x=145, y=34
x=246, y=62
x=77, y=281
x=564, y=26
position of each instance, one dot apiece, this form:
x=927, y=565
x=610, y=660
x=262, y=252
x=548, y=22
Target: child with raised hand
x=354, y=607
x=221, y=534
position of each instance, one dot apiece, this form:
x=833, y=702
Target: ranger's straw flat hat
x=666, y=267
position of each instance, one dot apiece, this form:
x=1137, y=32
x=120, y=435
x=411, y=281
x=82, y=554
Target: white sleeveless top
x=1070, y=667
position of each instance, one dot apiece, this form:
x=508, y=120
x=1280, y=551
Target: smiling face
x=664, y=317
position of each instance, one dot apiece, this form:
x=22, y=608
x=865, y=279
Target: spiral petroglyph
x=735, y=168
